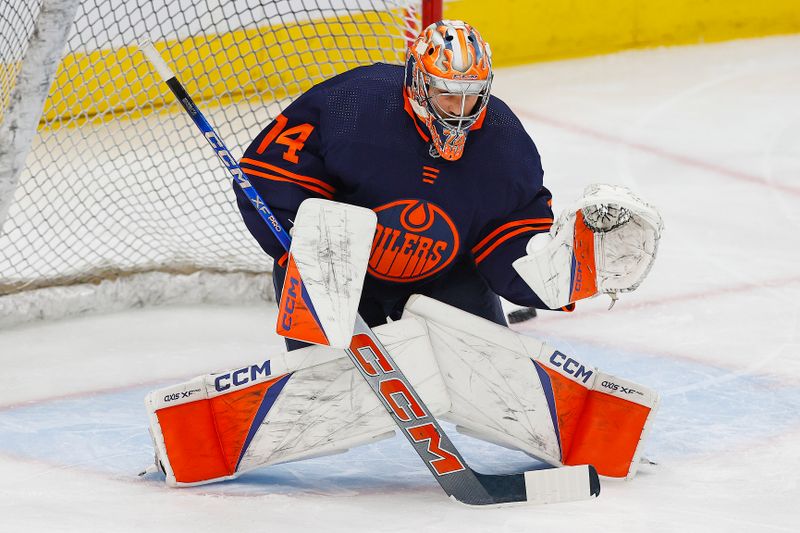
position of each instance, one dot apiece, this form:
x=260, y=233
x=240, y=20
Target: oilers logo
x=414, y=239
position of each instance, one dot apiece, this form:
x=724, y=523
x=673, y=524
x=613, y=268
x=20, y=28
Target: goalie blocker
x=493, y=383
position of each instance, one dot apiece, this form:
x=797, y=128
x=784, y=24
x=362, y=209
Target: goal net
x=119, y=202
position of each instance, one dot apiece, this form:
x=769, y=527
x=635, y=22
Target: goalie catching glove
x=606, y=243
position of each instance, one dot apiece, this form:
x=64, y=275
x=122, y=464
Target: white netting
x=118, y=182
x=16, y=24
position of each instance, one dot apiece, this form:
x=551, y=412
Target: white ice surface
x=710, y=134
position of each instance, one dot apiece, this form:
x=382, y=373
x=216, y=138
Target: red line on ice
x=619, y=308
x=692, y=296
x=672, y=156
x=77, y=395
x=678, y=298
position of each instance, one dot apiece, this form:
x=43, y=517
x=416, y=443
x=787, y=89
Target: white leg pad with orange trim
x=491, y=382
x=521, y=393
x=495, y=391
x=296, y=405
x=605, y=243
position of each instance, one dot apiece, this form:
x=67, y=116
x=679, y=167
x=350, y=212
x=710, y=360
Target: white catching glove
x=605, y=243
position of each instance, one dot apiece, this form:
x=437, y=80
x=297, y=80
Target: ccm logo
x=290, y=303
x=402, y=403
x=240, y=377
x=571, y=366
x=577, y=285
x=180, y=395
x=617, y=387
x=227, y=159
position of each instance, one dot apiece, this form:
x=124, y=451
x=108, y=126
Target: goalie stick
x=391, y=386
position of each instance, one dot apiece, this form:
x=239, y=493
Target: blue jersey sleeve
x=284, y=164
x=503, y=242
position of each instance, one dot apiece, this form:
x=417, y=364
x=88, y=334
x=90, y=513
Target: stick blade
x=563, y=484
x=535, y=487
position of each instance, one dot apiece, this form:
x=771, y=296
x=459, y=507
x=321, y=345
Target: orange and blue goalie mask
x=447, y=82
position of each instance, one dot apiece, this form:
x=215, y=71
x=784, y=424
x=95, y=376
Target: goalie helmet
x=447, y=82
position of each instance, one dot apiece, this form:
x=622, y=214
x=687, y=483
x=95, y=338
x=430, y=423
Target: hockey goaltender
x=416, y=199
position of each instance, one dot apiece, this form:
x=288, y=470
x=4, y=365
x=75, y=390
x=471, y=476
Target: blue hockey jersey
x=355, y=139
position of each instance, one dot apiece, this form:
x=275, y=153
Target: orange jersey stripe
x=279, y=170
x=431, y=169
x=504, y=238
x=429, y=175
x=509, y=225
x=312, y=188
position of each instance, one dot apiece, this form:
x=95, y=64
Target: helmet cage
x=458, y=88
x=448, y=131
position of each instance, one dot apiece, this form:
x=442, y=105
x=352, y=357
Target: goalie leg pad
x=492, y=382
x=521, y=393
x=602, y=419
x=297, y=405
